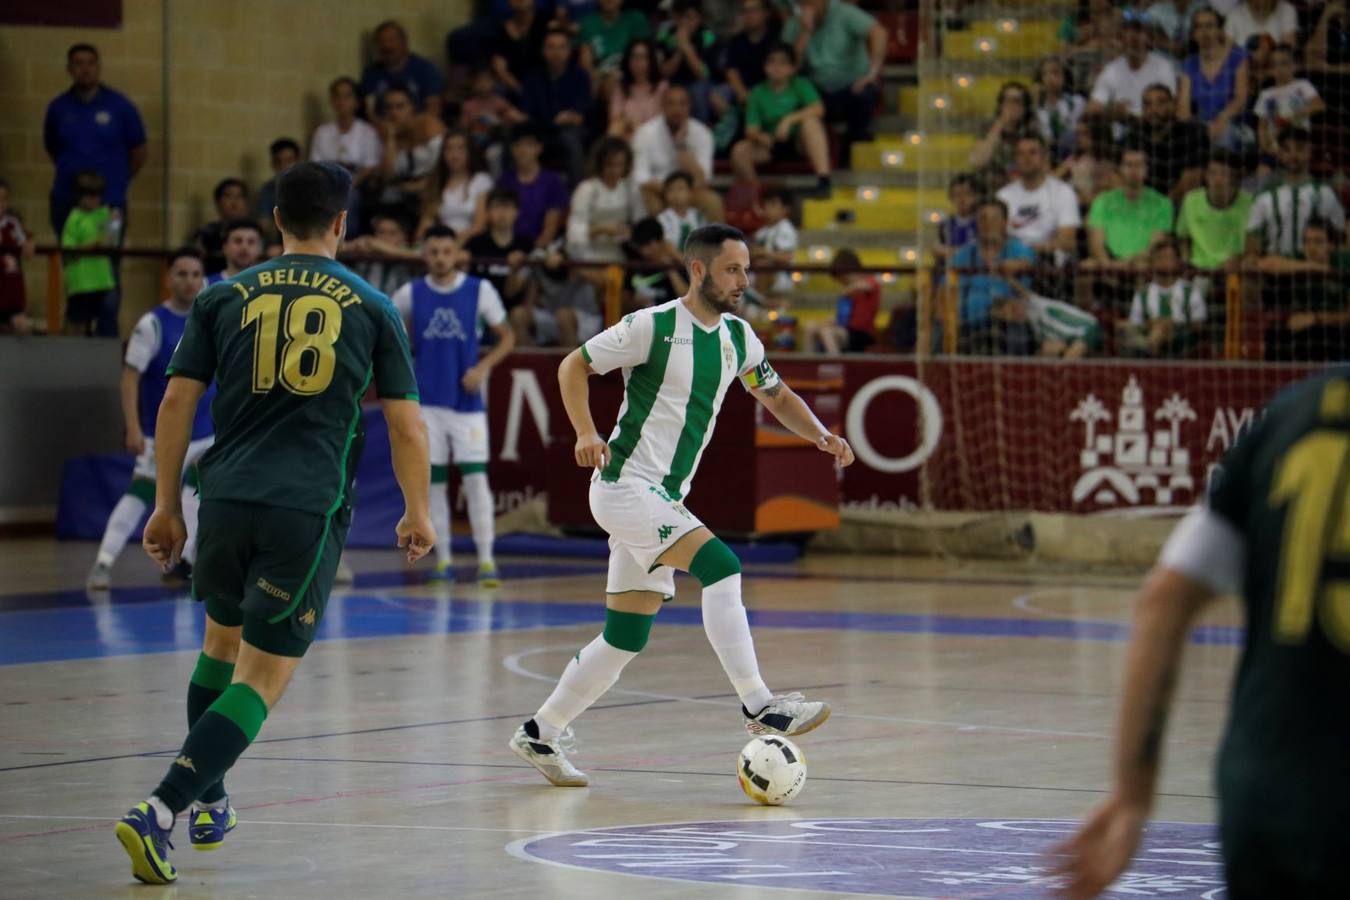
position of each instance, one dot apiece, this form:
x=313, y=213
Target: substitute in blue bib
x=446, y=313
x=144, y=380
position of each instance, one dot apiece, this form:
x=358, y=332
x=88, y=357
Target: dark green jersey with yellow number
x=292, y=344
x=1284, y=769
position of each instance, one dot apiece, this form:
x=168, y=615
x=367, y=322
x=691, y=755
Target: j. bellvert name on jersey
x=303, y=277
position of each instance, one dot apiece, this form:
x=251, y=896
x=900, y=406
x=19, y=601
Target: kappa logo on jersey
x=446, y=325
x=678, y=340
x=664, y=532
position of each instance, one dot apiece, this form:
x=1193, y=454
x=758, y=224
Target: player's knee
x=627, y=630
x=714, y=562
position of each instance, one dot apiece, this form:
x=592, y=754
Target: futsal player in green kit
x=1277, y=528
x=292, y=345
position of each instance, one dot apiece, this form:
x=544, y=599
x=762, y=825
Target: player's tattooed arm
x=771, y=393
x=791, y=410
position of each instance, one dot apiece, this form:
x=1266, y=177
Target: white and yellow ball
x=771, y=770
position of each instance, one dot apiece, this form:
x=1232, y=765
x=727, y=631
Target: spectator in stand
x=675, y=141
x=1014, y=116
x=1173, y=22
x=784, y=119
x=606, y=33
x=1213, y=220
x=1124, y=224
x=91, y=127
x=396, y=66
x=557, y=98
x=485, y=114
x=1092, y=168
x=604, y=207
x=19, y=245
x=650, y=285
x=680, y=216
x=1279, y=214
x=412, y=145
x=351, y=142
x=1118, y=92
x=1176, y=150
x=499, y=253
x=774, y=245
x=388, y=240
x=1058, y=108
x=1328, y=58
x=1317, y=325
x=1271, y=22
x=958, y=228
x=542, y=194
x=749, y=48
x=1214, y=82
x=1167, y=315
x=1094, y=28
x=844, y=49
x=1042, y=210
x=1289, y=102
x=854, y=327
x=91, y=290
x=690, y=55
x=283, y=153
x=457, y=192
x=562, y=312
x=636, y=99
x=231, y=198
x=244, y=243
x=986, y=268
x=518, y=44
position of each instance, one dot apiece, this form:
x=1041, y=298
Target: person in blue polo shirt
x=396, y=66
x=91, y=127
x=987, y=266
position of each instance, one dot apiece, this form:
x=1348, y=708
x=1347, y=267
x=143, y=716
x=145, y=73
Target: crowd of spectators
x=1208, y=138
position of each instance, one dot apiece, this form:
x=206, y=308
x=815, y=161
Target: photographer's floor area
x=973, y=709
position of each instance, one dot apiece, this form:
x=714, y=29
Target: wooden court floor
x=973, y=707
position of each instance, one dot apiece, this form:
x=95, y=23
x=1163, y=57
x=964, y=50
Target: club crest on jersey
x=445, y=325
x=728, y=356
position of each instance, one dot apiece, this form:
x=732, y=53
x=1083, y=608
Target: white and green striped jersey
x=1183, y=302
x=676, y=371
x=1280, y=213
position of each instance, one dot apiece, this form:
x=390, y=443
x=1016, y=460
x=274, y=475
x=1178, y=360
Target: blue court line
x=174, y=623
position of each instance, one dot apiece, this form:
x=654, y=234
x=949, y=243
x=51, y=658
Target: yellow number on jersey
x=308, y=358
x=1312, y=480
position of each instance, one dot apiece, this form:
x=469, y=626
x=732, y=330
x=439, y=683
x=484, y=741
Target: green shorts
x=269, y=569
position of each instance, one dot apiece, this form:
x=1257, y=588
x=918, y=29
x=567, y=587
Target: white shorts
x=546, y=326
x=643, y=522
x=462, y=436
x=145, y=463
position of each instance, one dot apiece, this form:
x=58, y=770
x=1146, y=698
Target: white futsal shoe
x=549, y=757
x=787, y=714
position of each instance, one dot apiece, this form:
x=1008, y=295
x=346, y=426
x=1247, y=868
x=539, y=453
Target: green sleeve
x=806, y=93
x=75, y=232
x=1183, y=228
x=394, y=377
x=1097, y=213
x=586, y=34
x=195, y=357
x=754, y=115
x=791, y=30
x=1165, y=213
x=856, y=20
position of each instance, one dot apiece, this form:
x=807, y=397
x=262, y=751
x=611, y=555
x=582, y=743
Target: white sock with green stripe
x=593, y=670
x=440, y=518
x=126, y=515
x=481, y=514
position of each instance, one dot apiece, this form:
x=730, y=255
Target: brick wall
x=240, y=73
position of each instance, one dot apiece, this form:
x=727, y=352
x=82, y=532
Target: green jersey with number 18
x=676, y=371
x=292, y=344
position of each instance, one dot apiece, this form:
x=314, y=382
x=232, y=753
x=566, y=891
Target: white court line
x=513, y=665
x=1023, y=602
x=305, y=824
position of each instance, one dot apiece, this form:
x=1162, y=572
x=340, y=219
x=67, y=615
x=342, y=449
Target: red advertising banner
x=965, y=434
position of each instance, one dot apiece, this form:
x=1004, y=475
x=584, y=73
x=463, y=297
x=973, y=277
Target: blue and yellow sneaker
x=207, y=827
x=487, y=575
x=147, y=844
x=442, y=572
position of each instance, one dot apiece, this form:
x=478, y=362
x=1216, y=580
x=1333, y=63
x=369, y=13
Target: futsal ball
x=771, y=770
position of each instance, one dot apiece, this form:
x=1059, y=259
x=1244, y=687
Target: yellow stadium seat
x=913, y=153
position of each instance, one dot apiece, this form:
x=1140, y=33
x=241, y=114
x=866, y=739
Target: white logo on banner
x=930, y=423
x=1121, y=467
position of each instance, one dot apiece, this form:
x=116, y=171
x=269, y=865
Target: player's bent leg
x=727, y=626
x=482, y=520
x=440, y=520
x=126, y=515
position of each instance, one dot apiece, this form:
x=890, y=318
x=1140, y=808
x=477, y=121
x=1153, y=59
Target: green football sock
x=219, y=737
x=209, y=681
